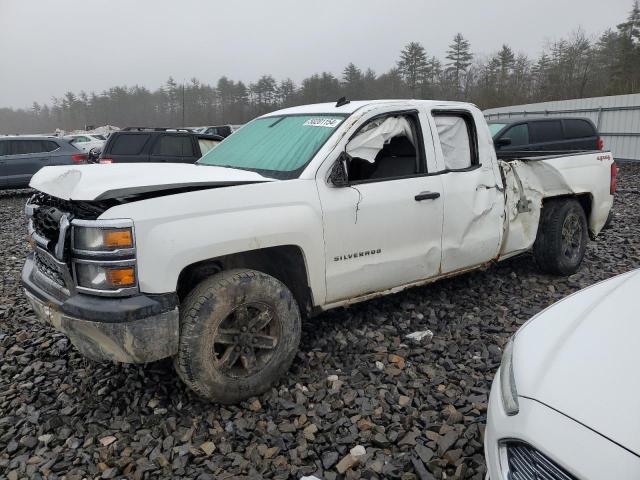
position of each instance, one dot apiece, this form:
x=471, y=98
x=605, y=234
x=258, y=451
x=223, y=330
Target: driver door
x=384, y=229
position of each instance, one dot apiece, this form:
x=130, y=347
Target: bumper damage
x=136, y=329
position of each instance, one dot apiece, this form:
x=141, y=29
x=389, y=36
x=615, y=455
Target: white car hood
x=101, y=182
x=582, y=358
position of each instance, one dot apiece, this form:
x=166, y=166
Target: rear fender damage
x=527, y=185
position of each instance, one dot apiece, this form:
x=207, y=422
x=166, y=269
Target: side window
x=49, y=146
x=24, y=147
x=174, y=146
x=128, y=144
x=385, y=148
x=4, y=148
x=578, y=129
x=545, y=131
x=518, y=134
x=458, y=139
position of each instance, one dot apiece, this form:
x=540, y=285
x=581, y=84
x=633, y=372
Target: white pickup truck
x=300, y=211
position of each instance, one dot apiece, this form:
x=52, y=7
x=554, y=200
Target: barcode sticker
x=322, y=122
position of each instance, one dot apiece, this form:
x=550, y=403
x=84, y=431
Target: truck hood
x=103, y=182
x=581, y=357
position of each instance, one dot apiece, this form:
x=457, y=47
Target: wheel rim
x=246, y=339
x=571, y=237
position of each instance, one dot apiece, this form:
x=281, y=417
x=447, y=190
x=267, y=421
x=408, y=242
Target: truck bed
x=532, y=180
x=530, y=156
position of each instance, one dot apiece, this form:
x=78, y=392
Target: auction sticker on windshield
x=323, y=122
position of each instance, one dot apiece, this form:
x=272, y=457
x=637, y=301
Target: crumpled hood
x=102, y=182
x=581, y=357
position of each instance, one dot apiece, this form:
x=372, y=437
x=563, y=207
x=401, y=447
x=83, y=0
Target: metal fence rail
x=617, y=119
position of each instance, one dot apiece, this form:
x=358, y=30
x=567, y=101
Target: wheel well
x=285, y=262
x=584, y=199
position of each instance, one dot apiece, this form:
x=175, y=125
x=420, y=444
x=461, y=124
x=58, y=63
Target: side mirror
x=502, y=142
x=339, y=175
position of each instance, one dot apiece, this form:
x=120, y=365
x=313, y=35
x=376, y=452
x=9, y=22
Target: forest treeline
x=573, y=67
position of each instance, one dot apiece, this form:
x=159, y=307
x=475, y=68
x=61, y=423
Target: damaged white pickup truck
x=300, y=211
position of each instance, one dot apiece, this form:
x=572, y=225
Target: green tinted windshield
x=495, y=128
x=274, y=146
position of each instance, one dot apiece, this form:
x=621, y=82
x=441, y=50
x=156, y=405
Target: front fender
x=175, y=231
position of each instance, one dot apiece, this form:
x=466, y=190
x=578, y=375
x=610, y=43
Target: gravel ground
x=418, y=408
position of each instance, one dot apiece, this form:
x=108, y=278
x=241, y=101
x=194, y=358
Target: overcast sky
x=48, y=47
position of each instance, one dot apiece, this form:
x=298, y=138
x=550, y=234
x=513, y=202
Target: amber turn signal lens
x=121, y=277
x=118, y=238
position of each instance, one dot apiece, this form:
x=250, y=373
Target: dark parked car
x=21, y=157
x=544, y=135
x=222, y=130
x=143, y=144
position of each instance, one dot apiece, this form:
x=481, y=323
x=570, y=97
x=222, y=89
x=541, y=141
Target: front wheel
x=562, y=237
x=239, y=333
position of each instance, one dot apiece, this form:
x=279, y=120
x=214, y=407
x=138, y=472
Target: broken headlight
x=507, y=381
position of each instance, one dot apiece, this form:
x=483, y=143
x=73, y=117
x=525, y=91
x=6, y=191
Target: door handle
x=427, y=196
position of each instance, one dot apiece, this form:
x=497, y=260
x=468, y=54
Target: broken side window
x=384, y=148
x=455, y=140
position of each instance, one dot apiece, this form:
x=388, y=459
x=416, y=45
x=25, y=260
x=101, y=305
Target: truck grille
x=46, y=222
x=50, y=271
x=49, y=227
x=527, y=463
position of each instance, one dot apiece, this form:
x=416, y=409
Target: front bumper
x=137, y=329
x=580, y=451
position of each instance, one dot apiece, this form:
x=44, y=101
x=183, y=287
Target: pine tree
x=353, y=82
x=413, y=66
x=628, y=68
x=459, y=56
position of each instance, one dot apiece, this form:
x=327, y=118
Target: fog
x=48, y=48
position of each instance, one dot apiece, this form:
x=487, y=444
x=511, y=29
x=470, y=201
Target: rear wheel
x=239, y=332
x=562, y=237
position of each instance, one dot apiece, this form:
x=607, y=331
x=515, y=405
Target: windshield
x=279, y=146
x=495, y=128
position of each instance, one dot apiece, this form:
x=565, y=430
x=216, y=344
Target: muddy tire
x=562, y=237
x=239, y=333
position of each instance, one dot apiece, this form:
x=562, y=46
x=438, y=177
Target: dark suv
x=22, y=157
x=142, y=144
x=544, y=135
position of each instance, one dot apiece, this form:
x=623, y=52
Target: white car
x=564, y=404
x=86, y=142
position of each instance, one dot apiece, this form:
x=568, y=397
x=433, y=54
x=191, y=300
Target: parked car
x=512, y=136
x=298, y=212
x=164, y=145
x=21, y=157
x=563, y=404
x=222, y=130
x=86, y=142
